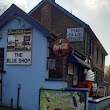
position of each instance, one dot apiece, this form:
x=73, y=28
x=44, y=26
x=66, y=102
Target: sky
x=95, y=13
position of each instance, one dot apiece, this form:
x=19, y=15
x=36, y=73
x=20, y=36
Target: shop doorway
x=1, y=69
x=81, y=76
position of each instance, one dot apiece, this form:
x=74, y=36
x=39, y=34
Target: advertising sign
x=62, y=100
x=19, y=46
x=61, y=47
x=75, y=34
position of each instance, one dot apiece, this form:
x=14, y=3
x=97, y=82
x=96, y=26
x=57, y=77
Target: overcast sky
x=96, y=13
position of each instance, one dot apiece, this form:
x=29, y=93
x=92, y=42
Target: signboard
x=19, y=46
x=75, y=34
x=61, y=47
x=62, y=100
x=19, y=58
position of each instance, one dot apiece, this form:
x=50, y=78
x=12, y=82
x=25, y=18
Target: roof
x=60, y=8
x=14, y=10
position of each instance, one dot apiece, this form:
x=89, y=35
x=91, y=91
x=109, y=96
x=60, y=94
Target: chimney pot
x=52, y=0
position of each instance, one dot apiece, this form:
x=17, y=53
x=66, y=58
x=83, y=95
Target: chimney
x=46, y=15
x=46, y=0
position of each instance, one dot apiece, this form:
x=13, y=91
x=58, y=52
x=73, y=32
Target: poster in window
x=19, y=46
x=51, y=63
x=70, y=69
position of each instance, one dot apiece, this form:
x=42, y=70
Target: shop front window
x=57, y=60
x=56, y=66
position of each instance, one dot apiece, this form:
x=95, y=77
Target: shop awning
x=75, y=59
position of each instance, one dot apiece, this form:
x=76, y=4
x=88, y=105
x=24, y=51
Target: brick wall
x=57, y=22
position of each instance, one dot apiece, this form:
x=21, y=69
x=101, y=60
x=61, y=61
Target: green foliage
x=107, y=74
x=107, y=70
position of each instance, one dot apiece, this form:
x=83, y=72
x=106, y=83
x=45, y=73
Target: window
x=96, y=76
x=90, y=47
x=97, y=55
x=102, y=60
x=58, y=71
x=59, y=50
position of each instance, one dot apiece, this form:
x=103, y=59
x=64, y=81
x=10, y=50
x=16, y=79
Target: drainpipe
x=18, y=89
x=11, y=102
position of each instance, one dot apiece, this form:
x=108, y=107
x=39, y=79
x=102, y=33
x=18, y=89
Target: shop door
x=1, y=69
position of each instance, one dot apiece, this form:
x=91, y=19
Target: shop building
x=23, y=60
x=48, y=48
x=84, y=43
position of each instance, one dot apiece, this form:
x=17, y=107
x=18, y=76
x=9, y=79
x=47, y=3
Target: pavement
x=6, y=108
x=108, y=108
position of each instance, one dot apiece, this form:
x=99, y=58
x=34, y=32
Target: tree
x=107, y=73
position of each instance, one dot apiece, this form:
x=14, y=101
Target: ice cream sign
x=62, y=100
x=61, y=47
